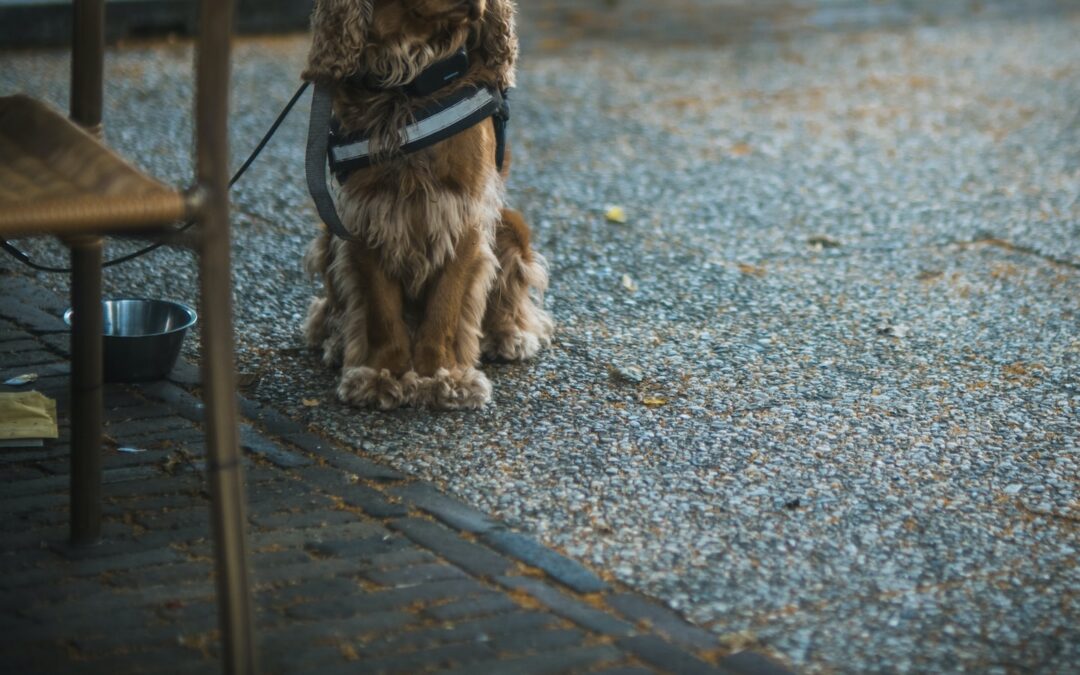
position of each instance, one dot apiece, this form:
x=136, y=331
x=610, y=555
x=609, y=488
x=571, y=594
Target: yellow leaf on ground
x=310, y=402
x=616, y=214
x=654, y=401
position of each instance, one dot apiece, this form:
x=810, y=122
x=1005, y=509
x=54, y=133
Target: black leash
x=322, y=108
x=22, y=257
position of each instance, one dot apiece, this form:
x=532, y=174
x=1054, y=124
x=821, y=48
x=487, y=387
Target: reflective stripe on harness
x=437, y=122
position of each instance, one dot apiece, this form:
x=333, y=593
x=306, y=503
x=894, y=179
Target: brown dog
x=443, y=271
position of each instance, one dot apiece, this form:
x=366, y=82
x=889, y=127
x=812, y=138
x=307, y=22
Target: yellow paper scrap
x=27, y=414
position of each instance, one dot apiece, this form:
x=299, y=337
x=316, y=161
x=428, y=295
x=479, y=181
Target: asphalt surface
x=819, y=392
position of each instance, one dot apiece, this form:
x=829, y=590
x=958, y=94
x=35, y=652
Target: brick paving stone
x=28, y=360
x=135, y=429
x=373, y=502
x=370, y=500
x=177, y=398
x=393, y=599
x=254, y=442
x=309, y=590
x=183, y=518
x=16, y=455
x=269, y=559
x=435, y=658
x=662, y=654
x=661, y=619
x=538, y=640
x=299, y=571
x=448, y=510
x=371, y=623
x=197, y=571
x=570, y=608
x=483, y=631
x=411, y=555
x=33, y=503
x=304, y=519
x=559, y=567
x=15, y=473
x=358, y=530
x=11, y=346
x=112, y=459
x=30, y=293
x=30, y=317
x=581, y=659
x=269, y=419
x=190, y=437
x=474, y=558
x=144, y=411
x=482, y=605
x=409, y=576
x=27, y=560
x=128, y=561
x=58, y=342
x=166, y=659
x=287, y=659
x=38, y=537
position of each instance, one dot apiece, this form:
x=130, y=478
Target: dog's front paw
x=367, y=388
x=450, y=390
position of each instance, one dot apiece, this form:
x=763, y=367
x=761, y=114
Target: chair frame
x=208, y=203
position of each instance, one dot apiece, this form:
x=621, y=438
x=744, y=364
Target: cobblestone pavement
x=819, y=393
x=357, y=567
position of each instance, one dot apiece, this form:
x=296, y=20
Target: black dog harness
x=445, y=117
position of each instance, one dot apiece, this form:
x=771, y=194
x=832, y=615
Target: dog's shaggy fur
x=444, y=271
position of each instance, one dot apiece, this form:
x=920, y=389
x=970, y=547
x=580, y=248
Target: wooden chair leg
x=86, y=393
x=225, y=466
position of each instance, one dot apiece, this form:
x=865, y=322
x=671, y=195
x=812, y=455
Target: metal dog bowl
x=142, y=338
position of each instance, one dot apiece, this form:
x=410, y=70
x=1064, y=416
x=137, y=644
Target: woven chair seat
x=56, y=178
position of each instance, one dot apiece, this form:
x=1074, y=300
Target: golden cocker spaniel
x=439, y=270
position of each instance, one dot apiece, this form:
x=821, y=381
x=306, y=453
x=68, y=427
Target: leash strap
x=322, y=108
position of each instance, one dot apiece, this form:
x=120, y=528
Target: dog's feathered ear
x=497, y=41
x=339, y=32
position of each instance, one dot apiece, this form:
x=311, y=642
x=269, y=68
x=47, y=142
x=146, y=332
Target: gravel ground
x=819, y=393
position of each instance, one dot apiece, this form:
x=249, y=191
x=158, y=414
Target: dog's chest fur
x=414, y=210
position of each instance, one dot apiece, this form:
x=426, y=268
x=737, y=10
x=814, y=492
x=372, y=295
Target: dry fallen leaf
x=310, y=402
x=897, y=330
x=616, y=214
x=821, y=242
x=654, y=401
x=752, y=270
x=628, y=283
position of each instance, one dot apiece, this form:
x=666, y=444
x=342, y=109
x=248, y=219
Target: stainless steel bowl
x=142, y=337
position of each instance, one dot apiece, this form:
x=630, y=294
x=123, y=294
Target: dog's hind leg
x=447, y=348
x=515, y=325
x=375, y=339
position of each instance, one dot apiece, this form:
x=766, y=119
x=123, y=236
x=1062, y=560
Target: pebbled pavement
x=819, y=392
